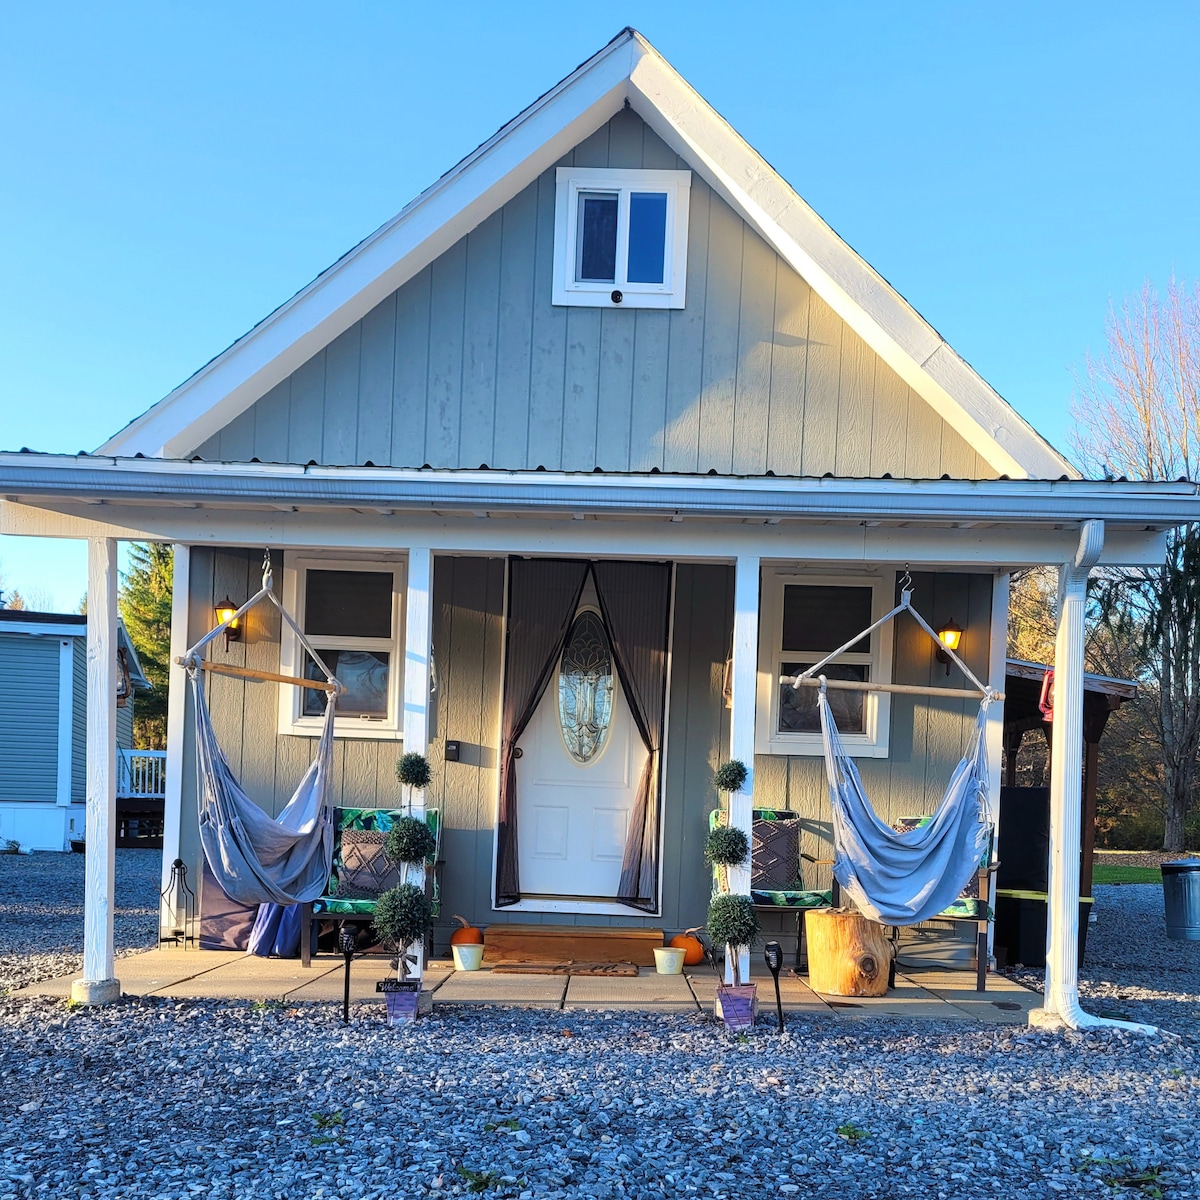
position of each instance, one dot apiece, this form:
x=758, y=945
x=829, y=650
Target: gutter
x=32, y=478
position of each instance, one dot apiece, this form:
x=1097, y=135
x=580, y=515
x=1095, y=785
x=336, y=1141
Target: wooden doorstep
x=566, y=943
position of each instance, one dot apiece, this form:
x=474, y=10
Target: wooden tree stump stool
x=848, y=955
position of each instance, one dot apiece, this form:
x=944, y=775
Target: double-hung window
x=352, y=611
x=804, y=618
x=620, y=237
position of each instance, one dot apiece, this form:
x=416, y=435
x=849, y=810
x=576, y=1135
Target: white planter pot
x=467, y=957
x=668, y=960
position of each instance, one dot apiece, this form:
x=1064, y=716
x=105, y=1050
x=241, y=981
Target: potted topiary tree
x=403, y=915
x=408, y=843
x=413, y=773
x=733, y=923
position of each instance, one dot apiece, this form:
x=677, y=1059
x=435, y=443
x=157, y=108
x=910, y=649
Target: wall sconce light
x=227, y=616
x=949, y=634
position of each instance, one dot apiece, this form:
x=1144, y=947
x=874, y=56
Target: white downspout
x=1061, y=1005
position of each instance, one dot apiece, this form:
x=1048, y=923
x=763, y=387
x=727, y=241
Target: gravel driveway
x=158, y=1098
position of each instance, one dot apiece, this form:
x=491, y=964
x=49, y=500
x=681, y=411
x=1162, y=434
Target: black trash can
x=1021, y=927
x=1181, y=899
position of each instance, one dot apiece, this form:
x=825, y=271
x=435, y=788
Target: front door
x=577, y=779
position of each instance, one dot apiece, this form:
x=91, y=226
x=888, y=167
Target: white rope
x=191, y=658
x=905, y=605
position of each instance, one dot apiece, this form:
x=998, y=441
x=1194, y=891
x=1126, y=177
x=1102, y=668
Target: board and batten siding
x=927, y=737
x=29, y=667
x=470, y=364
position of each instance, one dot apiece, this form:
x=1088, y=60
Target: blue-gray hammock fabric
x=903, y=878
x=257, y=858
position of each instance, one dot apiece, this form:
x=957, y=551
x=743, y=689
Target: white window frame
x=291, y=654
x=873, y=741
x=671, y=293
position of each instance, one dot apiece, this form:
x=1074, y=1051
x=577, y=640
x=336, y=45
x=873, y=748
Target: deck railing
x=142, y=774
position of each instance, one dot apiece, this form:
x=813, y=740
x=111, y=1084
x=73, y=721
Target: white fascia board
x=47, y=630
x=32, y=477
x=844, y=280
x=423, y=230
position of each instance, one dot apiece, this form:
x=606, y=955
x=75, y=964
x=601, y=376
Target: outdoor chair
x=974, y=904
x=776, y=876
x=361, y=873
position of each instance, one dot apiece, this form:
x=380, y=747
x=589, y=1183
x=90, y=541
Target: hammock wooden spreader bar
x=811, y=676
x=192, y=660
x=899, y=689
x=219, y=668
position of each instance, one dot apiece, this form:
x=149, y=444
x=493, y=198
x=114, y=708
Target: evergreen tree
x=145, y=604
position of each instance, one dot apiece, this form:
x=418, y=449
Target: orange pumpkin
x=692, y=946
x=466, y=934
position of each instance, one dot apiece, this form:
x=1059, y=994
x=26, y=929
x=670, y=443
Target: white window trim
x=874, y=741
x=671, y=293
x=291, y=655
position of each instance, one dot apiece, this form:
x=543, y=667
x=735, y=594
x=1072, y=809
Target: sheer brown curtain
x=543, y=594
x=635, y=601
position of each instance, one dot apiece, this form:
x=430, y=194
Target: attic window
x=620, y=238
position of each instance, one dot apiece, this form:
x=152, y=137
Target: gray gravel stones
x=41, y=912
x=175, y=1099
x=162, y=1099
x=1133, y=970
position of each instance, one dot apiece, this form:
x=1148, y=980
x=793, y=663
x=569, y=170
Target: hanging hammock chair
x=256, y=858
x=905, y=877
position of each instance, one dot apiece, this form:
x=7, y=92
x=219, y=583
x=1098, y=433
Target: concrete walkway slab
x=143, y=974
x=483, y=987
x=248, y=977
x=365, y=973
x=649, y=991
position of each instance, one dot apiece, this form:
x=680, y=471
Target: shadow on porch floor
x=226, y=975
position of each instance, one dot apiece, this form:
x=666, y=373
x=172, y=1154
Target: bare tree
x=1138, y=415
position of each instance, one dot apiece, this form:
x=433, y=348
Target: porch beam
x=1061, y=1007
x=744, y=681
x=98, y=985
x=999, y=547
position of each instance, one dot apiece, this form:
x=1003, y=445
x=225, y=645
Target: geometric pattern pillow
x=365, y=871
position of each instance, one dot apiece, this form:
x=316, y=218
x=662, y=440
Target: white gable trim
x=627, y=69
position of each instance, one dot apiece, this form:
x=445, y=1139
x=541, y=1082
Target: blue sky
x=171, y=173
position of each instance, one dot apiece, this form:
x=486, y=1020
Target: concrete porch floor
x=230, y=975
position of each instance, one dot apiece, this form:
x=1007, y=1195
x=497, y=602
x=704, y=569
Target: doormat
x=621, y=970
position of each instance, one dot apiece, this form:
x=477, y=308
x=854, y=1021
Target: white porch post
x=98, y=986
x=177, y=699
x=741, y=725
x=417, y=649
x=1061, y=1005
x=997, y=672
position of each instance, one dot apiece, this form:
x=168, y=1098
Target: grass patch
x=1116, y=873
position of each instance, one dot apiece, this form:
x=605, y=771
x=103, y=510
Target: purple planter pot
x=739, y=1006
x=402, y=1007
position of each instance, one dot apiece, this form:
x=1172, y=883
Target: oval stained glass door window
x=585, y=688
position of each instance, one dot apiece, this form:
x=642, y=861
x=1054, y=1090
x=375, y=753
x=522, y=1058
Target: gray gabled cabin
x=565, y=468
x=43, y=724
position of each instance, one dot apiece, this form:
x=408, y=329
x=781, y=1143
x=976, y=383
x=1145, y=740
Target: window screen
x=597, y=238
x=798, y=706
x=348, y=604
x=823, y=618
x=647, y=237
x=364, y=675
